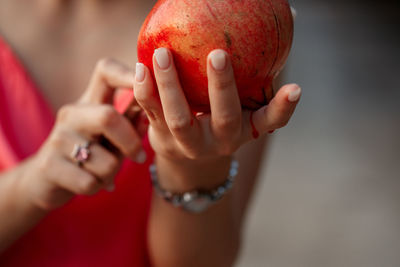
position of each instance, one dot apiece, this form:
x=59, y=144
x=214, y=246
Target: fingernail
x=218, y=59
x=139, y=72
x=141, y=157
x=162, y=58
x=294, y=95
x=294, y=12
x=110, y=187
x=272, y=131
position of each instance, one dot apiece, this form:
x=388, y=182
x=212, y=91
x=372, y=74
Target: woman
x=53, y=209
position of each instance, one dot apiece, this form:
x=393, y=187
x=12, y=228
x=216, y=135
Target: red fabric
x=108, y=229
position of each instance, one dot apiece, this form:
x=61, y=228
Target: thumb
x=294, y=12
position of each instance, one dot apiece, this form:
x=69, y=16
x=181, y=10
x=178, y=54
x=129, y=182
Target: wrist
x=199, y=198
x=27, y=188
x=185, y=175
x=20, y=214
x=16, y=201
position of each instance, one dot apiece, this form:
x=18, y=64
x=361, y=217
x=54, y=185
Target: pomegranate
x=257, y=34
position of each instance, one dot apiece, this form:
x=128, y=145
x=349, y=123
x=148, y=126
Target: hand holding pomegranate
x=255, y=38
x=202, y=140
x=257, y=35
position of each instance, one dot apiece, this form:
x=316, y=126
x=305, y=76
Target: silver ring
x=81, y=153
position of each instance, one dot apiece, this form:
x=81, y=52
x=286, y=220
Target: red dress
x=108, y=229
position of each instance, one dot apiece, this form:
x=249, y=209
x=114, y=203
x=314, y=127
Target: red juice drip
x=255, y=133
x=146, y=120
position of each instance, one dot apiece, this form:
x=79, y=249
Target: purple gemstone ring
x=81, y=153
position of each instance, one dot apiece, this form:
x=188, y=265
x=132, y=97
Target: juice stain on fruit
x=228, y=39
x=255, y=133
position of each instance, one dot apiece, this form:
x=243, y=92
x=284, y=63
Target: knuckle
x=224, y=82
x=142, y=95
x=227, y=149
x=194, y=154
x=87, y=185
x=169, y=149
x=228, y=122
x=58, y=138
x=179, y=123
x=109, y=116
x=166, y=84
x=110, y=166
x=64, y=112
x=45, y=161
x=280, y=124
x=57, y=141
x=45, y=204
x=284, y=123
x=104, y=63
x=45, y=201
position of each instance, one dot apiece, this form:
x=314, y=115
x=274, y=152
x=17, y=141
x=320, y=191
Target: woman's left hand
x=177, y=134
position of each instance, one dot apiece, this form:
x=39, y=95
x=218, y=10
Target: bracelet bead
x=197, y=200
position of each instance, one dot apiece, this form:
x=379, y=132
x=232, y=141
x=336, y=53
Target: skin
x=191, y=151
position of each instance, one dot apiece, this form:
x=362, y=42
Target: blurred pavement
x=329, y=194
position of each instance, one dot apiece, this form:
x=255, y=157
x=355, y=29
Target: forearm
x=211, y=238
x=17, y=212
x=177, y=238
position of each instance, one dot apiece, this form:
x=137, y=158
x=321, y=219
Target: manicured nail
x=110, y=187
x=272, y=131
x=162, y=58
x=141, y=157
x=294, y=12
x=218, y=59
x=294, y=95
x=139, y=72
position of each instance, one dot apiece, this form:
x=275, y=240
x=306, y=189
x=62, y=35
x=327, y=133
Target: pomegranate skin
x=257, y=34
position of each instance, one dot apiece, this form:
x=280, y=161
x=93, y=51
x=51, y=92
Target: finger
x=276, y=114
x=226, y=112
x=177, y=113
x=147, y=98
x=92, y=121
x=108, y=75
x=70, y=177
x=142, y=124
x=294, y=12
x=101, y=163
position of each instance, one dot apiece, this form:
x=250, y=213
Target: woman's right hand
x=52, y=176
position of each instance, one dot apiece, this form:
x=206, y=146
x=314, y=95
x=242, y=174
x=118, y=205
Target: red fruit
x=257, y=34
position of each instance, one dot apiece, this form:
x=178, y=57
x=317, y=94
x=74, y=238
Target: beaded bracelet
x=197, y=200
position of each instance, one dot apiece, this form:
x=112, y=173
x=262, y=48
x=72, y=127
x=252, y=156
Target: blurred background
x=329, y=193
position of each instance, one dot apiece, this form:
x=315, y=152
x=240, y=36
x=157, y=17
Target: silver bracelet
x=198, y=200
